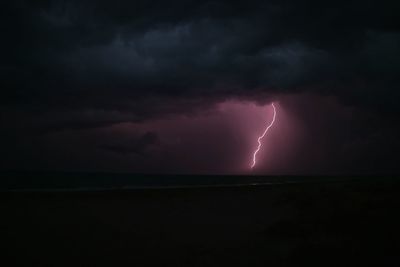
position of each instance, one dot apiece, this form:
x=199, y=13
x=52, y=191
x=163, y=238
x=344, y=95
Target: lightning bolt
x=262, y=136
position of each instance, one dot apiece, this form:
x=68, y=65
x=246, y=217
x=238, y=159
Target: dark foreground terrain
x=312, y=224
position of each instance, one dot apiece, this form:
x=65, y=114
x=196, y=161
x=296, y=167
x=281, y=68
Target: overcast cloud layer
x=85, y=64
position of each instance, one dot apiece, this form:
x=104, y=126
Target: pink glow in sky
x=263, y=135
x=218, y=140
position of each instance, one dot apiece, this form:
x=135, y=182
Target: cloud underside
x=73, y=67
x=69, y=55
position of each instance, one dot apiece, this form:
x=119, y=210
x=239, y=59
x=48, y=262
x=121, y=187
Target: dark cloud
x=73, y=65
x=69, y=54
x=136, y=146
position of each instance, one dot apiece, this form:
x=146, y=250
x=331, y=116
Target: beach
x=346, y=223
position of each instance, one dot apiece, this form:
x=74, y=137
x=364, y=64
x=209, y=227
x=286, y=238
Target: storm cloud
x=70, y=65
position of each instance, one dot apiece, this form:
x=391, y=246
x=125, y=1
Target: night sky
x=187, y=86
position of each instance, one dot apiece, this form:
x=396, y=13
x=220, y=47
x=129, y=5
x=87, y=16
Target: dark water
x=15, y=181
x=93, y=219
x=332, y=224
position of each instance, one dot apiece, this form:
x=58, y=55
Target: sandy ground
x=315, y=224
